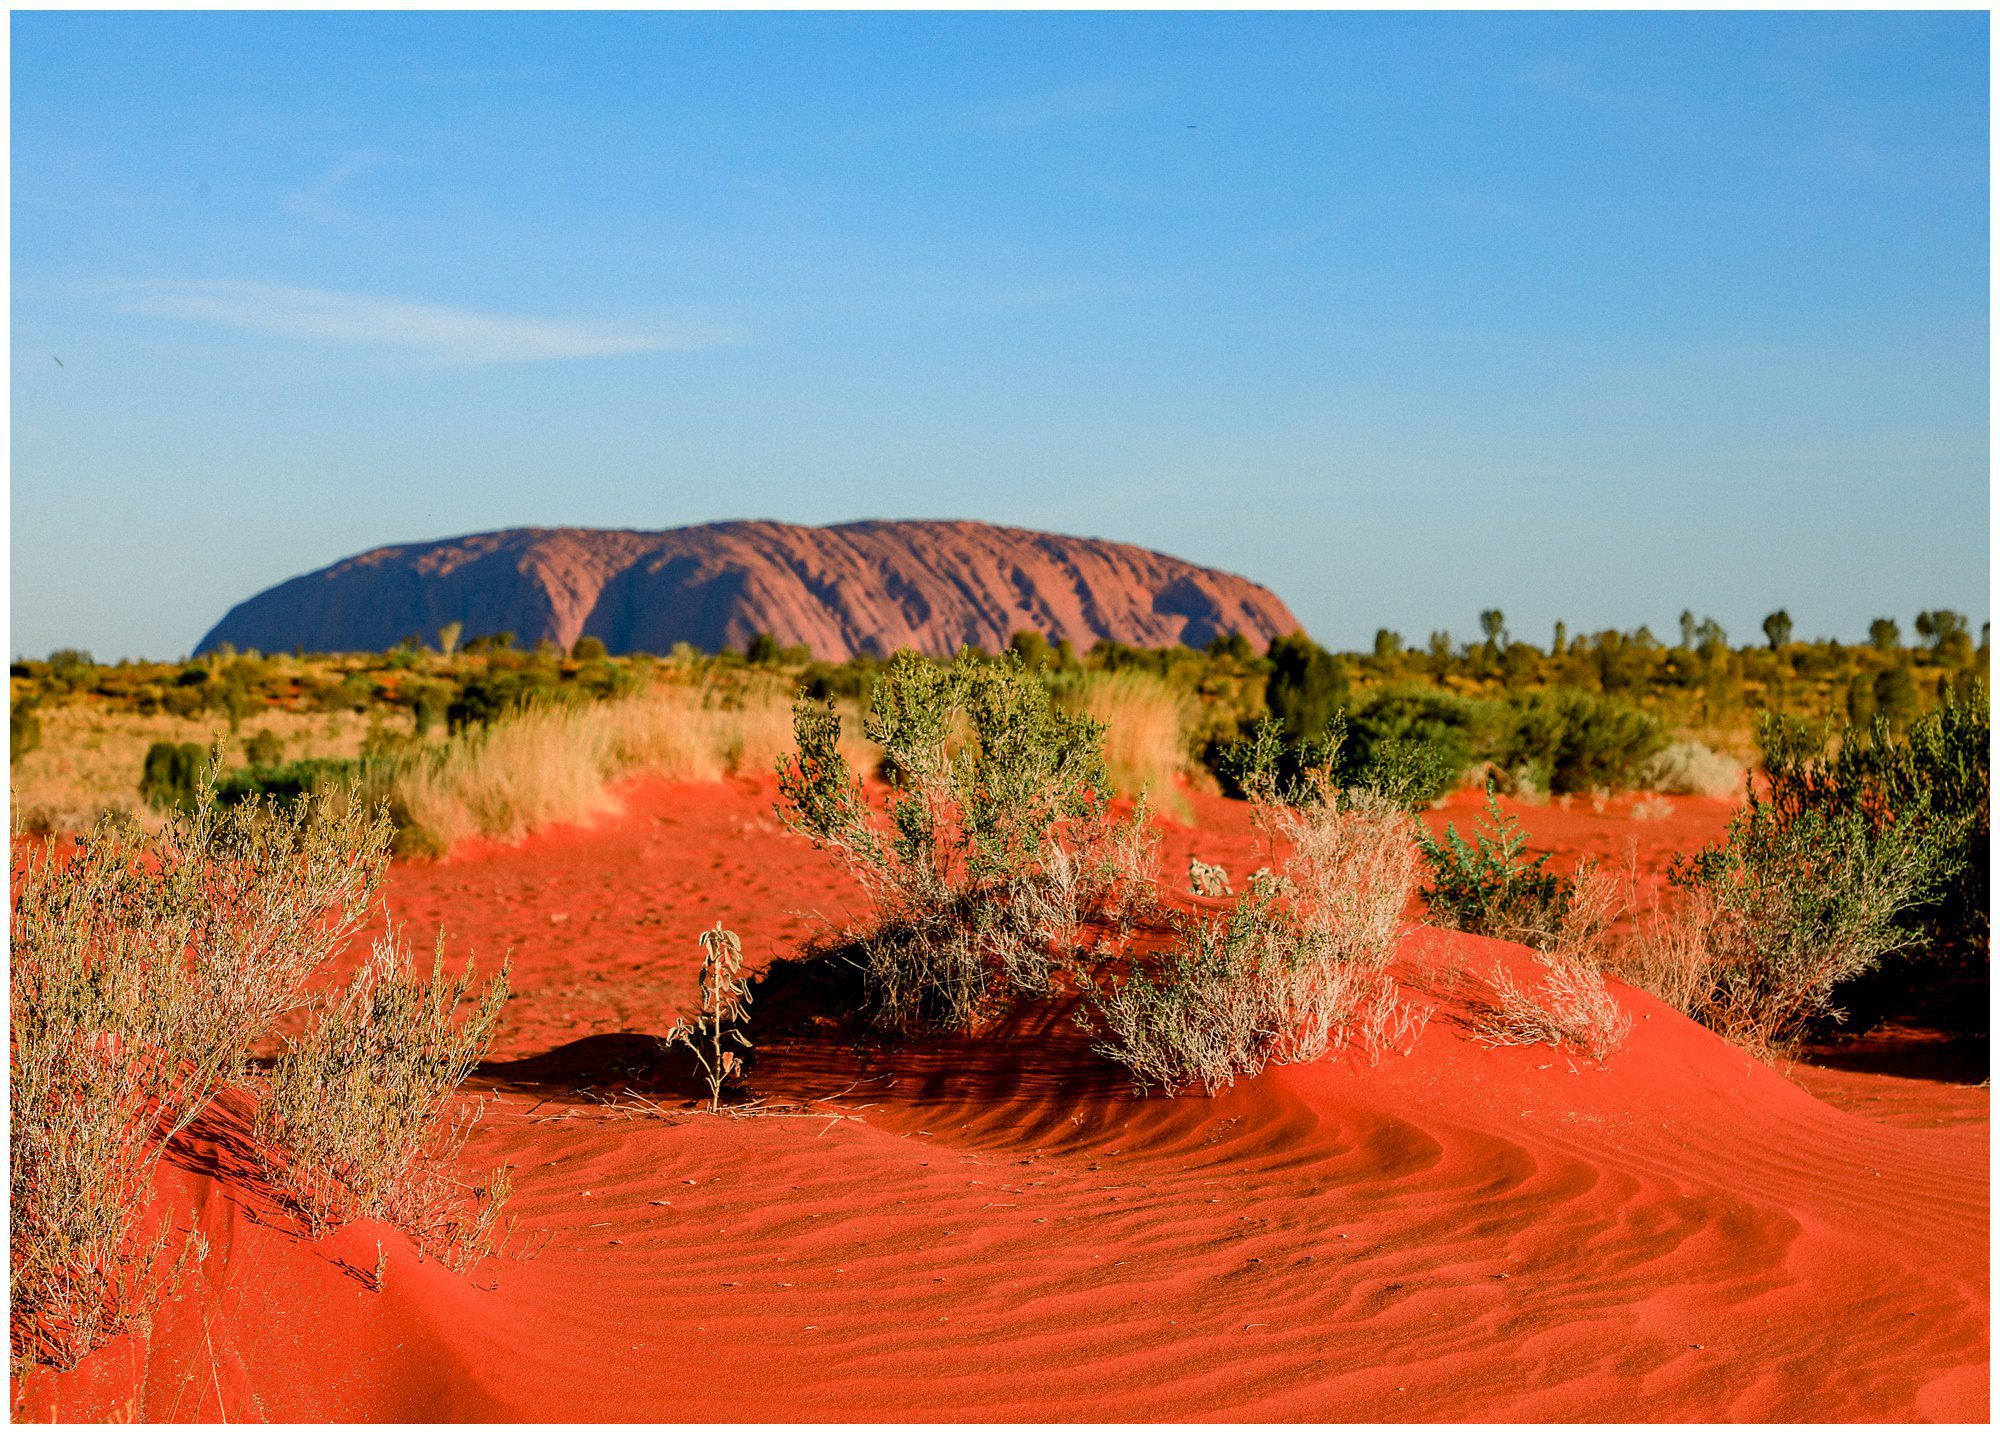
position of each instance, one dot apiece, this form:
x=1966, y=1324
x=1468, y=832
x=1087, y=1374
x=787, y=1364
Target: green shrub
x=1793, y=902
x=1576, y=741
x=1486, y=887
x=995, y=841
x=1299, y=965
x=428, y=701
x=1269, y=770
x=1307, y=685
x=494, y=694
x=1938, y=772
x=71, y=669
x=1202, y=1013
x=264, y=749
x=289, y=782
x=1452, y=728
x=24, y=730
x=173, y=774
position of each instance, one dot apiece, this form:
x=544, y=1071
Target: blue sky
x=1591, y=317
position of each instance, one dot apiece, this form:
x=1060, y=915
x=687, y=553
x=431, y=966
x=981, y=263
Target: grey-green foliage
x=1802, y=896
x=1407, y=772
x=1300, y=964
x=995, y=830
x=1574, y=741
x=24, y=729
x=357, y=1107
x=1204, y=1012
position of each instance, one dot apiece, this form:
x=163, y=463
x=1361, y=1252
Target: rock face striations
x=842, y=590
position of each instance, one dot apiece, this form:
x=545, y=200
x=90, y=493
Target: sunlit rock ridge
x=841, y=590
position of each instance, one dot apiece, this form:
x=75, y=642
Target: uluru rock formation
x=840, y=590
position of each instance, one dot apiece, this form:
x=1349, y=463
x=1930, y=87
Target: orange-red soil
x=998, y=1229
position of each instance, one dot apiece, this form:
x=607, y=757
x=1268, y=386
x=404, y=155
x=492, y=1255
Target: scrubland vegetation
x=154, y=952
x=421, y=725
x=1867, y=845
x=996, y=842
x=1300, y=964
x=145, y=970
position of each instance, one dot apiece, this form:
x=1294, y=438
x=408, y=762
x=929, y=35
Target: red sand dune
x=997, y=1229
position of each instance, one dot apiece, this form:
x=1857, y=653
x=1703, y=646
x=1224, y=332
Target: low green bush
x=288, y=782
x=1454, y=730
x=994, y=844
x=24, y=730
x=171, y=778
x=1575, y=741
x=264, y=749
x=1937, y=770
x=1793, y=902
x=1486, y=886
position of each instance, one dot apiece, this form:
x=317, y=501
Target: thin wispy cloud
x=319, y=200
x=1032, y=111
x=436, y=332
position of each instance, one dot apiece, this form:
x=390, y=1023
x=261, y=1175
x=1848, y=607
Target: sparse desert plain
x=998, y=1228
x=999, y=716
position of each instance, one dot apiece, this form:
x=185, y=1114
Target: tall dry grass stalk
x=559, y=763
x=359, y=1108
x=142, y=969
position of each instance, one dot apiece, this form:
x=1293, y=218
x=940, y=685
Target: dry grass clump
x=1674, y=955
x=1146, y=722
x=1572, y=1010
x=1691, y=769
x=142, y=969
x=1298, y=967
x=358, y=1109
x=91, y=754
x=558, y=762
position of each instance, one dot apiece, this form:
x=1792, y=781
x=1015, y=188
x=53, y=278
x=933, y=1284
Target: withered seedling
x=717, y=1032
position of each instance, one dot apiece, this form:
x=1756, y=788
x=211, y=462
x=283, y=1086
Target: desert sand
x=998, y=1229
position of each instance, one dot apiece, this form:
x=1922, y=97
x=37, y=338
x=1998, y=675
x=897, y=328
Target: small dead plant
x=725, y=1011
